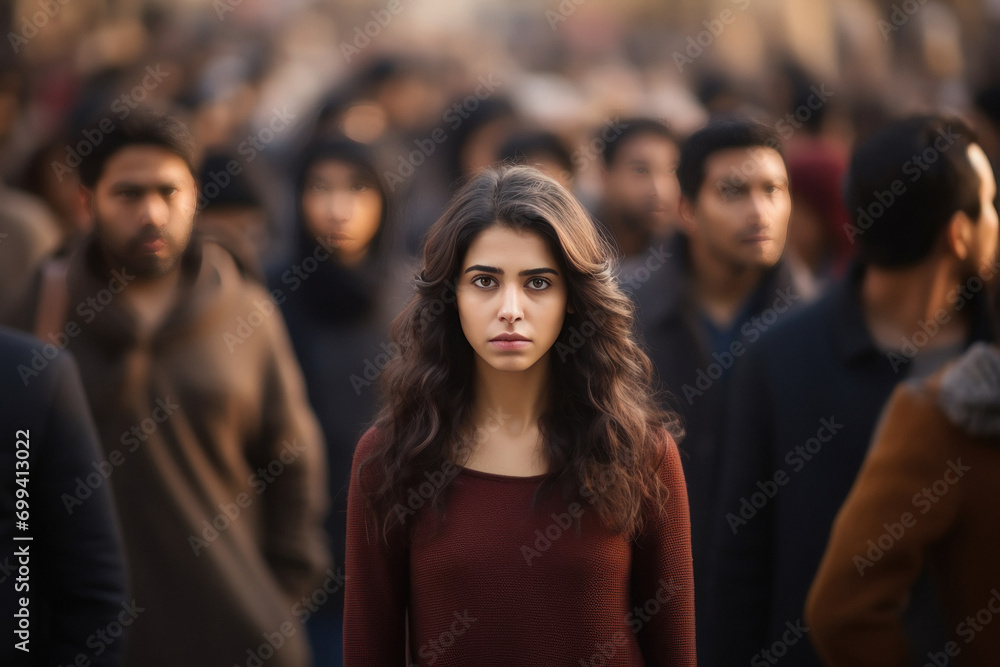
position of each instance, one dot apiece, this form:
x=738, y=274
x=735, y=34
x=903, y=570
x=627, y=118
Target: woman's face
x=342, y=207
x=511, y=298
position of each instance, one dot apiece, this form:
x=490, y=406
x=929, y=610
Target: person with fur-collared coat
x=927, y=493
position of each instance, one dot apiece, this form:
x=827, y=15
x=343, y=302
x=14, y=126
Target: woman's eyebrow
x=499, y=272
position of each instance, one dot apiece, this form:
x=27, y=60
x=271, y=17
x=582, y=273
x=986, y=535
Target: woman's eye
x=538, y=283
x=482, y=281
x=359, y=187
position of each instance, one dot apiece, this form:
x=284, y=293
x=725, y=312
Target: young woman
x=339, y=290
x=519, y=500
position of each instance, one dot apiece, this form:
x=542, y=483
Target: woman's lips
x=508, y=344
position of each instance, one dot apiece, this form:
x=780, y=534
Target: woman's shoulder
x=368, y=443
x=667, y=452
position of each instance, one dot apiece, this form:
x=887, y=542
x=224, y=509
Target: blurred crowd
x=330, y=136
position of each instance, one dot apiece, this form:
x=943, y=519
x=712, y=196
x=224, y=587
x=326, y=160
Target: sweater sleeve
x=877, y=546
x=377, y=578
x=662, y=612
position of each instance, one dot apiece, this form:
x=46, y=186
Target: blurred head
x=735, y=201
x=640, y=174
x=58, y=186
x=476, y=126
x=344, y=204
x=140, y=186
x=919, y=186
x=229, y=209
x=543, y=150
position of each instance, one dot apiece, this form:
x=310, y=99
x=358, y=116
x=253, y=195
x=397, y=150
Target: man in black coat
x=62, y=570
x=720, y=284
x=808, y=397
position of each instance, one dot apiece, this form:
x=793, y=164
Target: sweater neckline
x=496, y=477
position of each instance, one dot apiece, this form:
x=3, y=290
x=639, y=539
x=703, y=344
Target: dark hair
x=341, y=149
x=617, y=133
x=604, y=430
x=142, y=127
x=722, y=133
x=521, y=146
x=899, y=208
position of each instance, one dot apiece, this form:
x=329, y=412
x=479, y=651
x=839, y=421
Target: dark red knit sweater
x=499, y=583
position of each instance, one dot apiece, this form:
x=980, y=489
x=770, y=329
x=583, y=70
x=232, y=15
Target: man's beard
x=143, y=264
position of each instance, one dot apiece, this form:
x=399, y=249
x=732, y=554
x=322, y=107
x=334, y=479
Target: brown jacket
x=929, y=489
x=215, y=461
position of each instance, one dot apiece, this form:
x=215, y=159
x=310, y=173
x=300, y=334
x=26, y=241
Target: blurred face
x=986, y=228
x=741, y=214
x=511, y=298
x=144, y=206
x=343, y=208
x=641, y=184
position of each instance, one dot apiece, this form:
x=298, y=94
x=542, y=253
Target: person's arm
x=857, y=599
x=295, y=499
x=740, y=555
x=663, y=574
x=377, y=579
x=81, y=545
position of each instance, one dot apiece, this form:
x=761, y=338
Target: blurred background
x=258, y=79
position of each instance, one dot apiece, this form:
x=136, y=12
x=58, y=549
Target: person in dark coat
x=720, y=283
x=338, y=292
x=62, y=569
x=220, y=475
x=808, y=397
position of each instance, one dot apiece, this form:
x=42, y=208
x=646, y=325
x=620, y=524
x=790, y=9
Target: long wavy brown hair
x=603, y=434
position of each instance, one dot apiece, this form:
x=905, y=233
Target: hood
x=970, y=391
